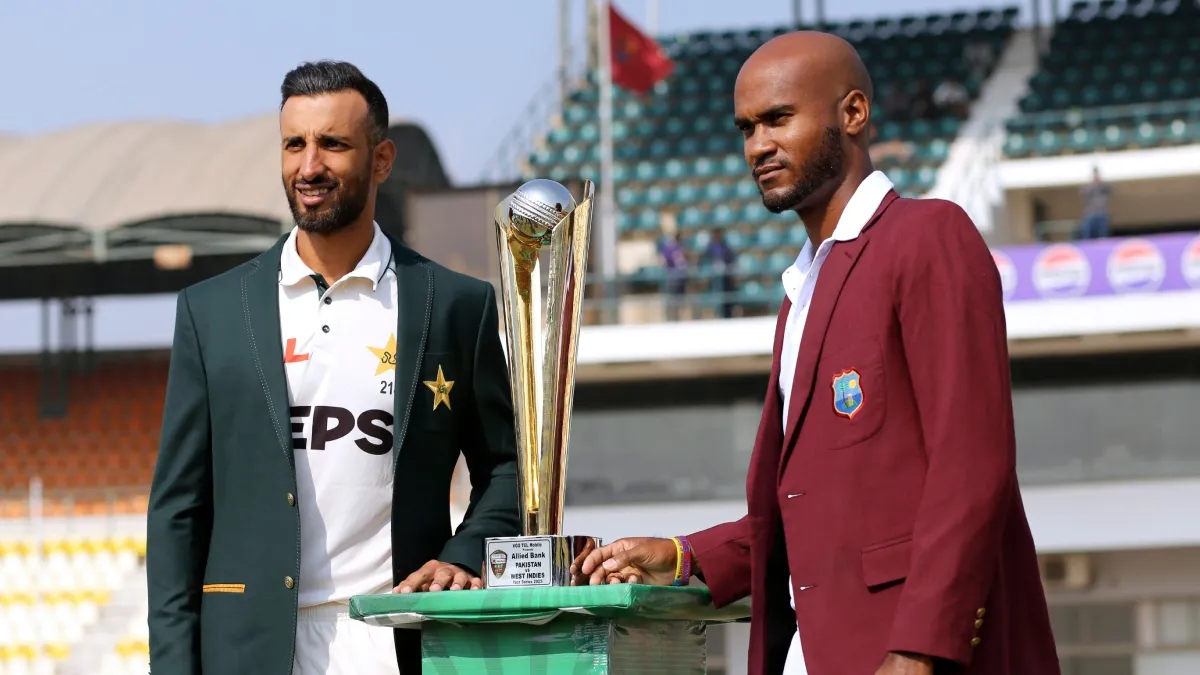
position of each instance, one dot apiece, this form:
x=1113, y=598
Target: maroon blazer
x=893, y=501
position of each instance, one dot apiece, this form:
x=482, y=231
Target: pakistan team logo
x=498, y=560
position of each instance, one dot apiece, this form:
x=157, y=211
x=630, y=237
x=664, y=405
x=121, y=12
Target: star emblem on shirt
x=441, y=389
x=386, y=355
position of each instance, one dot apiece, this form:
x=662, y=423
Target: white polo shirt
x=799, y=282
x=339, y=346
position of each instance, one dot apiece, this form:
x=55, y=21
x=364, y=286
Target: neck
x=821, y=219
x=336, y=254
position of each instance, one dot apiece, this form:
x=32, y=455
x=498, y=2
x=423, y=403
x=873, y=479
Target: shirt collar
x=372, y=267
x=862, y=205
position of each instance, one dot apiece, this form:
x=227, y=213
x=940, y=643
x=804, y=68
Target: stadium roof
x=118, y=192
x=103, y=176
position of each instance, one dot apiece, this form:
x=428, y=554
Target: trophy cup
x=542, y=342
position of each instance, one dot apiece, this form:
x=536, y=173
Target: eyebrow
x=322, y=137
x=781, y=109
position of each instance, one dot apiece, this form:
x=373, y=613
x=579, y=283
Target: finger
x=476, y=584
x=460, y=580
x=609, y=567
x=594, y=559
x=418, y=581
x=442, y=578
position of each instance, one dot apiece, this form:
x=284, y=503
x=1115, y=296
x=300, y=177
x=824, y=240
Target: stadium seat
x=50, y=594
x=679, y=153
x=1123, y=63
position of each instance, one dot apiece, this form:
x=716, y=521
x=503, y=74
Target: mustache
x=321, y=182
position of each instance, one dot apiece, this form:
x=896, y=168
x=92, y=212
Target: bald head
x=803, y=104
x=819, y=63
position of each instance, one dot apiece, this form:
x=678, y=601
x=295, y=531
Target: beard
x=346, y=202
x=826, y=165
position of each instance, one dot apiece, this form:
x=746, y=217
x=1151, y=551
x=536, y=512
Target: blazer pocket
x=224, y=588
x=850, y=398
x=887, y=561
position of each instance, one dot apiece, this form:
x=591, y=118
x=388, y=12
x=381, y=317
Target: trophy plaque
x=542, y=338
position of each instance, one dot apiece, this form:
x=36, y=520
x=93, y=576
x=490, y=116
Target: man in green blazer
x=318, y=400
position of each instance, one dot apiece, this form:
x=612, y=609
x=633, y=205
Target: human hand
x=435, y=576
x=632, y=560
x=905, y=664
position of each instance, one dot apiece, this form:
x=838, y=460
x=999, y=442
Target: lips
x=766, y=172
x=313, y=195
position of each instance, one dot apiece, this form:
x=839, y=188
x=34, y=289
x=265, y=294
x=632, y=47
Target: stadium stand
x=1117, y=76
x=52, y=593
x=104, y=442
x=677, y=153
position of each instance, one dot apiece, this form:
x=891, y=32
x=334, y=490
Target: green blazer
x=223, y=530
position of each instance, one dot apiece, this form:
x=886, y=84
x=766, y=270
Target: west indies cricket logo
x=498, y=561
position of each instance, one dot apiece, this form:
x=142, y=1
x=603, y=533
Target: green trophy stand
x=617, y=629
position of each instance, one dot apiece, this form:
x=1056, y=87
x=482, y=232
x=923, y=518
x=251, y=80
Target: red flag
x=638, y=63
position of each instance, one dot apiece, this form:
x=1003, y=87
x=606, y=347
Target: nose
x=758, y=147
x=312, y=164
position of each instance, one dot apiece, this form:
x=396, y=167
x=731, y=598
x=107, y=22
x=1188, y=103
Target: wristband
x=683, y=561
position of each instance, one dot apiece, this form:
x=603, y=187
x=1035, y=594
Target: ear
x=856, y=113
x=383, y=160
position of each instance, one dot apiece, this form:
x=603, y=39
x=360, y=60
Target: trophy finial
x=538, y=206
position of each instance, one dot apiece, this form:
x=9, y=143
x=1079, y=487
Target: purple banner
x=1154, y=264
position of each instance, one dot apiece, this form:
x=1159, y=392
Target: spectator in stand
x=675, y=262
x=1095, y=207
x=952, y=98
x=895, y=103
x=722, y=260
x=923, y=107
x=979, y=58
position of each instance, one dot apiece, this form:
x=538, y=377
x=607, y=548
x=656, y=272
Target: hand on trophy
x=634, y=560
x=436, y=576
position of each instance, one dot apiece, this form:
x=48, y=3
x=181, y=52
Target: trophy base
x=533, y=561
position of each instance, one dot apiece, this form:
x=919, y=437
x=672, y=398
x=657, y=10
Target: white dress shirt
x=799, y=281
x=339, y=346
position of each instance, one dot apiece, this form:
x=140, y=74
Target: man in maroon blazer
x=882, y=493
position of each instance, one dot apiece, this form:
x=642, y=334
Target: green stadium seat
x=692, y=217
x=722, y=215
x=686, y=193
x=647, y=220
x=745, y=189
x=674, y=169
x=656, y=196
x=754, y=213
x=735, y=239
x=733, y=165
x=797, y=235
x=716, y=191
x=769, y=238
x=646, y=171
x=629, y=196
x=689, y=146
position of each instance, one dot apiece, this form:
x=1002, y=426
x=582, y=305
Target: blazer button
x=981, y=612
x=291, y=499
x=289, y=582
x=975, y=641
x=978, y=624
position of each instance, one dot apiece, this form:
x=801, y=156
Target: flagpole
x=608, y=215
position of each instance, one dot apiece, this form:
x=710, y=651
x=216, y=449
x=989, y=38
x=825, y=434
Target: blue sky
x=464, y=70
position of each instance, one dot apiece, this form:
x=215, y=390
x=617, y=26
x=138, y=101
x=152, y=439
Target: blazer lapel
x=260, y=306
x=414, y=291
x=830, y=281
x=769, y=441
